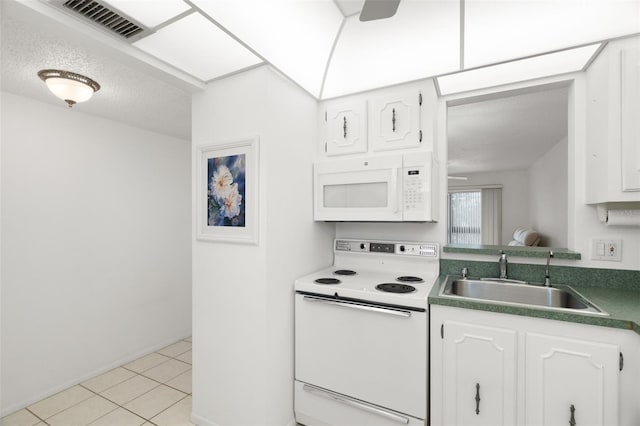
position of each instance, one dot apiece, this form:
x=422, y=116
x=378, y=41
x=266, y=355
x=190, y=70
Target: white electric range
x=362, y=335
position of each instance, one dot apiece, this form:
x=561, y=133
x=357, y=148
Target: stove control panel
x=417, y=249
x=383, y=247
x=403, y=249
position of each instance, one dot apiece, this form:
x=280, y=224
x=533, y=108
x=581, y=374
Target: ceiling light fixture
x=70, y=87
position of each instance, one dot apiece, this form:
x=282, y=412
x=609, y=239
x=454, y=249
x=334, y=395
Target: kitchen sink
x=558, y=297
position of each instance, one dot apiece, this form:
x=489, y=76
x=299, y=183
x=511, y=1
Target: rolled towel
x=527, y=237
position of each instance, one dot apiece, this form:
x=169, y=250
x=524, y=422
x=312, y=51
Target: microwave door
x=372, y=194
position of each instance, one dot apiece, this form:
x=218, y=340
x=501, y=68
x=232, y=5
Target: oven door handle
x=356, y=404
x=362, y=307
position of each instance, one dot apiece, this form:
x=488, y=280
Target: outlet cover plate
x=606, y=249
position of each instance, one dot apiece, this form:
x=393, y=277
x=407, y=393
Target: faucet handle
x=465, y=272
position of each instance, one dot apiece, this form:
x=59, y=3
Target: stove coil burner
x=395, y=288
x=327, y=281
x=409, y=279
x=348, y=272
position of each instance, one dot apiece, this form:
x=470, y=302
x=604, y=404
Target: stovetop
x=397, y=266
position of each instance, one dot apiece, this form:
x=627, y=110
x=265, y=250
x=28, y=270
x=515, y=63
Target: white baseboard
x=103, y=369
x=201, y=421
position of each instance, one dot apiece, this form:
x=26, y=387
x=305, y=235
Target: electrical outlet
x=606, y=249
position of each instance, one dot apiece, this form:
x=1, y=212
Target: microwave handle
x=395, y=187
x=396, y=182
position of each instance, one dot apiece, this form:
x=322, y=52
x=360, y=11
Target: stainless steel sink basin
x=509, y=293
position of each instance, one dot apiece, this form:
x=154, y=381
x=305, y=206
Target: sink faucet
x=547, y=277
x=503, y=265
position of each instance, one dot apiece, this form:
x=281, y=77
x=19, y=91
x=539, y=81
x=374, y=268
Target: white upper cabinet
x=396, y=121
x=613, y=124
x=630, y=117
x=385, y=120
x=346, y=127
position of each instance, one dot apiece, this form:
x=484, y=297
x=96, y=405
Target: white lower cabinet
x=569, y=381
x=480, y=372
x=528, y=371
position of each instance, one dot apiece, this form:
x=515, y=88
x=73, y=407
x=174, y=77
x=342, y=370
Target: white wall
x=515, y=197
x=548, y=196
x=95, y=246
x=243, y=294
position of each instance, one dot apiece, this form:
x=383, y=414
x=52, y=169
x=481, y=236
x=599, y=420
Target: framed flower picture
x=227, y=192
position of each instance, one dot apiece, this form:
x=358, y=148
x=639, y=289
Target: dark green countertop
x=622, y=303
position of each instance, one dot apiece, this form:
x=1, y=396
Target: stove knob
x=362, y=246
x=402, y=248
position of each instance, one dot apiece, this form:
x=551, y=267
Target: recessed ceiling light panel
x=561, y=62
x=294, y=36
x=198, y=47
x=498, y=30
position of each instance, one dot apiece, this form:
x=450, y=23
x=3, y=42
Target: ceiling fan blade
x=378, y=9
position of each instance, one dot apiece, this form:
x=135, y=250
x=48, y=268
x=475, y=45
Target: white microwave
x=391, y=188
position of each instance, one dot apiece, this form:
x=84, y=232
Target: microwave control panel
x=415, y=190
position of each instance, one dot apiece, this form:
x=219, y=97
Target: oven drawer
x=369, y=352
x=319, y=407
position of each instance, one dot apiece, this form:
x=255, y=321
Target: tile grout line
x=106, y=399
x=37, y=416
x=186, y=396
x=61, y=411
x=165, y=384
x=144, y=393
x=106, y=414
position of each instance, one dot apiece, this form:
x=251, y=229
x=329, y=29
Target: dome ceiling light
x=70, y=87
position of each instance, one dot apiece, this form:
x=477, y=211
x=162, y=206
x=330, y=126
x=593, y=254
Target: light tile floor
x=152, y=390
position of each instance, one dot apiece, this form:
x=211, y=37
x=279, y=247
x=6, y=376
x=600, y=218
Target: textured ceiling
x=507, y=133
x=31, y=42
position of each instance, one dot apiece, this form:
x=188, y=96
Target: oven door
x=359, y=189
x=366, y=351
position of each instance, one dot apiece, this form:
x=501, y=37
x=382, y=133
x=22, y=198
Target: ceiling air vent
x=104, y=16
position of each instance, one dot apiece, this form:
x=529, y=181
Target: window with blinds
x=475, y=216
x=465, y=217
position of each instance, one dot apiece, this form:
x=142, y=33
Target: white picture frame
x=227, y=191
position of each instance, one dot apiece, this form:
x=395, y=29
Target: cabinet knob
x=572, y=420
x=478, y=398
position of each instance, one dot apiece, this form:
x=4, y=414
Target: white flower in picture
x=226, y=195
x=221, y=182
x=232, y=202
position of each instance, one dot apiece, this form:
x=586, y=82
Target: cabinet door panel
x=479, y=375
x=570, y=380
x=395, y=122
x=347, y=128
x=630, y=93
